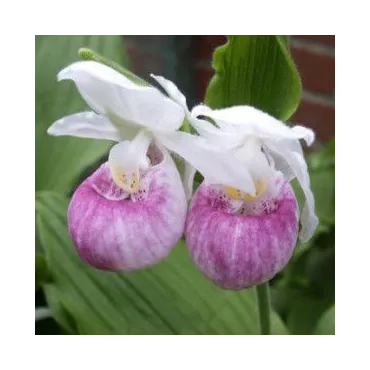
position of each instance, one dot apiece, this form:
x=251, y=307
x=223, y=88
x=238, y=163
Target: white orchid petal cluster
x=134, y=116
x=240, y=150
x=261, y=142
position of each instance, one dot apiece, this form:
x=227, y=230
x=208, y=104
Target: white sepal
x=215, y=166
x=109, y=93
x=297, y=165
x=203, y=127
x=251, y=121
x=131, y=155
x=85, y=124
x=172, y=90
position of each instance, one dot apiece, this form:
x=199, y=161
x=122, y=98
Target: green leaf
x=304, y=314
x=59, y=161
x=326, y=324
x=42, y=273
x=60, y=313
x=323, y=187
x=284, y=39
x=320, y=268
x=322, y=170
x=258, y=71
x=323, y=158
x=170, y=298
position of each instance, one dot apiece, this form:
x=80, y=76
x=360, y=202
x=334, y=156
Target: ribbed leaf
x=258, y=71
x=42, y=274
x=60, y=160
x=170, y=298
x=326, y=324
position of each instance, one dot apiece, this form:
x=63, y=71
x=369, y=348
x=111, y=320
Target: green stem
x=263, y=296
x=185, y=126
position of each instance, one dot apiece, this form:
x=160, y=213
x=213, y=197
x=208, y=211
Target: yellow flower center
x=241, y=195
x=127, y=182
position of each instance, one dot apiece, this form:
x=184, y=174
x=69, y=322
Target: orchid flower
x=132, y=210
x=242, y=238
x=266, y=146
x=126, y=111
x=263, y=143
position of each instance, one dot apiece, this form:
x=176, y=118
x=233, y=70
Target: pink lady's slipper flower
x=243, y=237
x=131, y=212
x=237, y=238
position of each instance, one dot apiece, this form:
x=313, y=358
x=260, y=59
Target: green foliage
x=42, y=274
x=170, y=298
x=258, y=71
x=60, y=161
x=326, y=324
x=304, y=313
x=305, y=289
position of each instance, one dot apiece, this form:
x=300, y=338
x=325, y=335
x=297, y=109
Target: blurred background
x=302, y=295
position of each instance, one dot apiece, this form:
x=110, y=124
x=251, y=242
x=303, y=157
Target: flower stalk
x=263, y=297
x=185, y=126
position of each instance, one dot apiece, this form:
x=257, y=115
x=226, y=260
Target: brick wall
x=315, y=59
x=187, y=61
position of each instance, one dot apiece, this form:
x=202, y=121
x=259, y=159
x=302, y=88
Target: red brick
x=322, y=39
x=205, y=45
x=319, y=117
x=202, y=76
x=317, y=70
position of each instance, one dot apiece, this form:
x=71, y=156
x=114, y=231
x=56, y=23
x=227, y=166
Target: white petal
x=215, y=166
x=110, y=93
x=98, y=71
x=188, y=180
x=280, y=162
x=216, y=136
x=298, y=166
x=249, y=120
x=305, y=133
x=223, y=138
x=203, y=127
x=131, y=155
x=281, y=165
x=255, y=159
x=127, y=158
x=228, y=119
x=201, y=110
x=172, y=90
x=277, y=160
x=85, y=124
